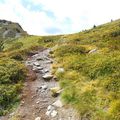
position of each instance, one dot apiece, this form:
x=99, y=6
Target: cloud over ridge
x=43, y=17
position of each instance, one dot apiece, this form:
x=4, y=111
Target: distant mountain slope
x=10, y=29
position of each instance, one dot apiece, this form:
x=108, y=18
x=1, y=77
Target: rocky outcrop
x=10, y=29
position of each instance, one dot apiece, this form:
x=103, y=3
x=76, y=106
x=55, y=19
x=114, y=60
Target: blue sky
x=44, y=17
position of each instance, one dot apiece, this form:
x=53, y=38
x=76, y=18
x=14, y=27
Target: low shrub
x=115, y=33
x=15, y=46
x=11, y=75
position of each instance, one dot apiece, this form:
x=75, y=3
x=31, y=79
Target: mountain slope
x=91, y=62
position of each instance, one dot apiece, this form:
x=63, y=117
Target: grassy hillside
x=91, y=80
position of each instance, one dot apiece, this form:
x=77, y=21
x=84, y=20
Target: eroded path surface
x=37, y=102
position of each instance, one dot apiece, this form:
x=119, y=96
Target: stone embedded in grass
x=60, y=70
x=47, y=76
x=49, y=62
x=55, y=91
x=93, y=51
x=55, y=78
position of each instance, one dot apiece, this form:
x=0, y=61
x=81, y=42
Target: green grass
x=91, y=81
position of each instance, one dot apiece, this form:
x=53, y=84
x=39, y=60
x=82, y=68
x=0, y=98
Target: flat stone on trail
x=50, y=109
x=48, y=113
x=39, y=59
x=39, y=68
x=38, y=118
x=47, y=76
x=54, y=113
x=58, y=103
x=44, y=87
x=37, y=102
x=36, y=64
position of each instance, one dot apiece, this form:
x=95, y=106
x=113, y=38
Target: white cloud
x=81, y=14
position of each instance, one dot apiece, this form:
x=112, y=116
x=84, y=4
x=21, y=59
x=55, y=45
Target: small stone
x=11, y=114
x=33, y=105
x=39, y=59
x=47, y=76
x=37, y=102
x=39, y=68
x=54, y=113
x=49, y=62
x=55, y=91
x=48, y=113
x=36, y=64
x=60, y=70
x=46, y=70
x=58, y=103
x=23, y=116
x=22, y=103
x=38, y=118
x=93, y=51
x=44, y=87
x=50, y=107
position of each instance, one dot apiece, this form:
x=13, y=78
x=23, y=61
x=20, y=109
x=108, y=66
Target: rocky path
x=37, y=101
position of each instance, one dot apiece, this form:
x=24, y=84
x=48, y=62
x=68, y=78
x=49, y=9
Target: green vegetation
x=91, y=80
x=1, y=45
x=12, y=69
x=12, y=74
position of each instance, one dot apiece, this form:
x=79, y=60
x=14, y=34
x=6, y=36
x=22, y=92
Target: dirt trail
x=36, y=96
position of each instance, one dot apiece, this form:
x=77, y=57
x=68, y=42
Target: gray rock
x=54, y=113
x=39, y=68
x=58, y=103
x=47, y=76
x=44, y=87
x=36, y=63
x=46, y=70
x=18, y=35
x=48, y=113
x=50, y=108
x=9, y=33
